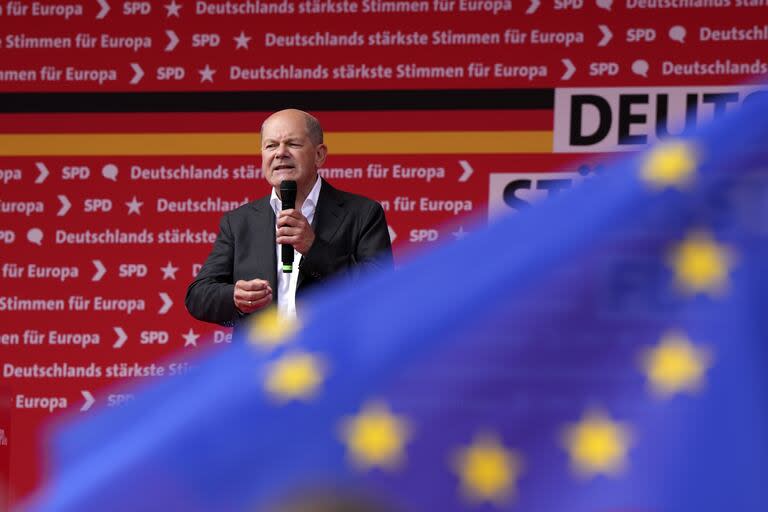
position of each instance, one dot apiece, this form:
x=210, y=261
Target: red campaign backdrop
x=127, y=128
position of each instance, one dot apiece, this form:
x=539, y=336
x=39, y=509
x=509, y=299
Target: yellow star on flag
x=269, y=330
x=596, y=445
x=488, y=471
x=669, y=165
x=675, y=365
x=701, y=265
x=295, y=376
x=375, y=437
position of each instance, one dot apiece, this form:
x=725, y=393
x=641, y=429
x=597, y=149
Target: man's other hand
x=252, y=295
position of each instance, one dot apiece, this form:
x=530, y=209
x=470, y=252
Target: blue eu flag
x=603, y=351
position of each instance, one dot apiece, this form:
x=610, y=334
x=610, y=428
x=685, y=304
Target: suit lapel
x=329, y=214
x=265, y=254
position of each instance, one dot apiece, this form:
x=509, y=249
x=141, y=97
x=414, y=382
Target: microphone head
x=288, y=193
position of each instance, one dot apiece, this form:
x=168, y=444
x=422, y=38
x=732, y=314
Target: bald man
x=332, y=232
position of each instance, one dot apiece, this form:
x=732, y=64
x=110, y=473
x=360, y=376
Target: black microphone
x=288, y=198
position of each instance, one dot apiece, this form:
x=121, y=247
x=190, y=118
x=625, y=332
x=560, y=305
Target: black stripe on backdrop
x=242, y=101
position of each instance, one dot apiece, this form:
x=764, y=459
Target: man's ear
x=321, y=152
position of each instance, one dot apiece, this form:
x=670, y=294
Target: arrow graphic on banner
x=138, y=73
x=392, y=234
x=607, y=35
x=121, y=337
x=104, y=9
x=89, y=400
x=167, y=303
x=533, y=7
x=100, y=270
x=570, y=69
x=65, y=205
x=43, y=172
x=174, y=40
x=468, y=170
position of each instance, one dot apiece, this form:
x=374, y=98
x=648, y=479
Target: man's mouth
x=282, y=167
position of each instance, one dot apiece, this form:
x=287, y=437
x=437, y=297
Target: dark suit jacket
x=350, y=234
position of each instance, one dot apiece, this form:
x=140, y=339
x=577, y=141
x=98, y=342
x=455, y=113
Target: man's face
x=287, y=152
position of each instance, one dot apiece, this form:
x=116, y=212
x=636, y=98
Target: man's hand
x=252, y=295
x=293, y=229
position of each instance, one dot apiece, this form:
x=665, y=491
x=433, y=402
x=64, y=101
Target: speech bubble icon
x=605, y=4
x=35, y=236
x=677, y=33
x=110, y=171
x=640, y=67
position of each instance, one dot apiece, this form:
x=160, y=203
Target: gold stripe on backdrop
x=339, y=143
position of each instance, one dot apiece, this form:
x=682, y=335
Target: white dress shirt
x=286, y=283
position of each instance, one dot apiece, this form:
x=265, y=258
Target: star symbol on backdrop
x=134, y=206
x=375, y=437
x=488, y=472
x=459, y=233
x=206, y=74
x=169, y=271
x=190, y=338
x=172, y=9
x=242, y=40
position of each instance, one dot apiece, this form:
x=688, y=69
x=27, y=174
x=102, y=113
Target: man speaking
x=331, y=231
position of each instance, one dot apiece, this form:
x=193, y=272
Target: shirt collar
x=309, y=203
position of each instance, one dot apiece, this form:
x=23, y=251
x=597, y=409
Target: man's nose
x=282, y=150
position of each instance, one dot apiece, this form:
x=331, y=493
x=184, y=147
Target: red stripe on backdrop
x=411, y=120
